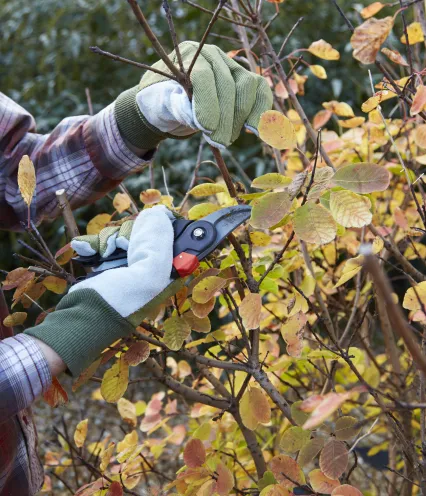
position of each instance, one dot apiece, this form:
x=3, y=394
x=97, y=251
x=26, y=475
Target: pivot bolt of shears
x=199, y=233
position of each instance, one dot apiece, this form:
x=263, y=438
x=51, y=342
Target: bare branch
x=117, y=58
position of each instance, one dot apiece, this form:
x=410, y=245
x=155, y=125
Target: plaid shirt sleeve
x=24, y=374
x=84, y=155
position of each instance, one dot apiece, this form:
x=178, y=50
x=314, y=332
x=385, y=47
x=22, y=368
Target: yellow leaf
x=26, y=179
x=292, y=333
x=96, y=225
x=106, y=457
x=207, y=189
x=420, y=136
x=250, y=309
x=372, y=9
x=415, y=34
x=276, y=130
x=368, y=38
x=350, y=270
x=121, y=202
x=81, y=433
x=342, y=109
x=127, y=411
x=351, y=123
x=206, y=288
x=115, y=381
x=55, y=284
x=254, y=408
x=259, y=238
x=324, y=50
x=17, y=318
x=413, y=295
x=176, y=331
x=86, y=375
x=350, y=209
x=202, y=210
x=314, y=224
x=395, y=56
x=318, y=71
x=271, y=181
x=150, y=196
x=370, y=104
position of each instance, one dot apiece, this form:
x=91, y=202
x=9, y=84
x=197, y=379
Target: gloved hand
x=226, y=97
x=102, y=309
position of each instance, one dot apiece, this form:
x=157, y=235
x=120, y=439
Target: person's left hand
x=225, y=98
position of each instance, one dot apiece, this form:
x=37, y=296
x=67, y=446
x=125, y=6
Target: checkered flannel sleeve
x=84, y=155
x=24, y=374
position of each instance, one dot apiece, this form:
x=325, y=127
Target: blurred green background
x=46, y=64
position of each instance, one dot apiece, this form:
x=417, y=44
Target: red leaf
x=56, y=394
x=334, y=459
x=115, y=489
x=194, y=454
x=137, y=353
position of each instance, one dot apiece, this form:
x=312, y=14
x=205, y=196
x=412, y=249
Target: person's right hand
x=226, y=98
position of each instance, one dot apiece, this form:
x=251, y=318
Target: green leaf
x=267, y=480
x=346, y=428
x=270, y=209
x=176, y=331
x=202, y=210
x=294, y=439
x=314, y=224
x=310, y=451
x=298, y=415
x=271, y=181
x=362, y=178
x=207, y=189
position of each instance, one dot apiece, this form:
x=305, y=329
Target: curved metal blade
x=225, y=221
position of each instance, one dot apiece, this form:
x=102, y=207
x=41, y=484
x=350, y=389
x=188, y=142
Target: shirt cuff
x=26, y=368
x=107, y=149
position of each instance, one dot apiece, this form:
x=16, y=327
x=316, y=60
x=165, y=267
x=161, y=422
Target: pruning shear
x=193, y=242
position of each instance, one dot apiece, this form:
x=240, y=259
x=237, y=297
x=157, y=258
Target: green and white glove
x=102, y=309
x=226, y=97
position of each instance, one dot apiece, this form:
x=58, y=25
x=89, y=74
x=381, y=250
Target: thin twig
x=286, y=39
x=173, y=34
x=206, y=33
x=117, y=58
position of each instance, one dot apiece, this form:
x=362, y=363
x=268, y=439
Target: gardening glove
x=104, y=243
x=225, y=98
x=100, y=310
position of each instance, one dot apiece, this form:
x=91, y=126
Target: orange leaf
x=321, y=118
x=346, y=490
x=56, y=394
x=254, y=408
x=17, y=277
x=65, y=254
x=150, y=196
x=372, y=9
x=194, y=454
x=395, y=56
x=321, y=483
x=225, y=480
x=419, y=100
x=334, y=459
x=368, y=38
x=282, y=466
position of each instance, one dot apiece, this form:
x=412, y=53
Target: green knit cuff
x=82, y=326
x=132, y=124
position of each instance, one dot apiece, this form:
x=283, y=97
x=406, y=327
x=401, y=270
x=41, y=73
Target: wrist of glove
x=100, y=310
x=226, y=98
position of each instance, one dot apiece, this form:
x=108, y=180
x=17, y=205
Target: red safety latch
x=185, y=264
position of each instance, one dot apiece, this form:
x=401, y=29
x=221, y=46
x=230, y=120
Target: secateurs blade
x=193, y=241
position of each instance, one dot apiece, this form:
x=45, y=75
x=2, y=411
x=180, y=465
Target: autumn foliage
x=289, y=351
